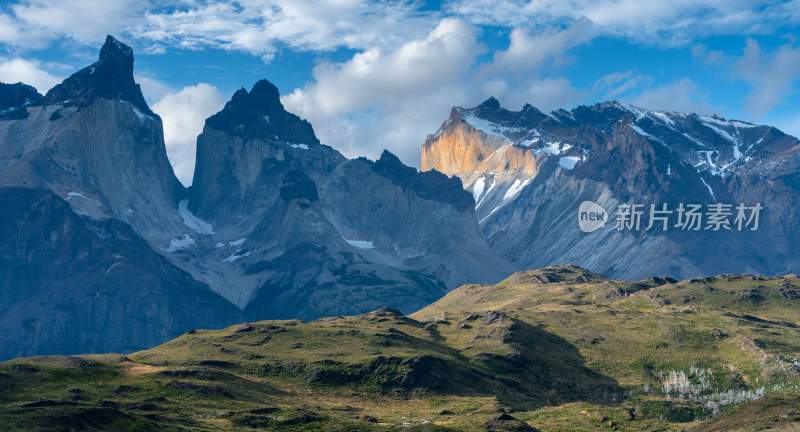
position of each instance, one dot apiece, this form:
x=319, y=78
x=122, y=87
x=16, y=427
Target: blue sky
x=375, y=74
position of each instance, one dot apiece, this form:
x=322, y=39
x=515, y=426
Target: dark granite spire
x=111, y=77
x=260, y=114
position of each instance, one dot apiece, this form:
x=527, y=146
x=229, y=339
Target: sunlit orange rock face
x=458, y=151
x=468, y=153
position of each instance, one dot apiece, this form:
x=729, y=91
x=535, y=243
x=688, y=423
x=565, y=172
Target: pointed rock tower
x=94, y=141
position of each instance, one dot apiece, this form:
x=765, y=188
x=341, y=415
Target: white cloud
x=262, y=27
x=183, y=114
x=9, y=29
x=682, y=95
x=673, y=22
x=770, y=75
x=153, y=89
x=28, y=71
x=391, y=98
x=33, y=23
x=528, y=51
x=545, y=94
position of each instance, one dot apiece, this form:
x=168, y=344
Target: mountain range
x=275, y=225
x=102, y=249
x=529, y=172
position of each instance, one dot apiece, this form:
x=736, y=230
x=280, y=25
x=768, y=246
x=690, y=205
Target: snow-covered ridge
x=489, y=128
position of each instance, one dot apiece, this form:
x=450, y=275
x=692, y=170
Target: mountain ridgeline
x=104, y=250
x=529, y=172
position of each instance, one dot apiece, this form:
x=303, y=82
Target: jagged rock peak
x=114, y=51
x=431, y=185
x=110, y=77
x=14, y=98
x=17, y=95
x=260, y=114
x=492, y=103
x=491, y=110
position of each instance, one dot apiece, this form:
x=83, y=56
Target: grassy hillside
x=556, y=349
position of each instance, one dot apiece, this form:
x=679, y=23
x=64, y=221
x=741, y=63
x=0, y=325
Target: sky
x=374, y=75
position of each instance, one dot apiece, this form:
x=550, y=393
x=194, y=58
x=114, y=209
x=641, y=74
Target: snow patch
x=299, y=146
x=235, y=256
x=488, y=191
x=710, y=191
x=361, y=244
x=192, y=221
x=695, y=140
x=477, y=189
x=139, y=114
x=490, y=128
x=722, y=133
x=552, y=148
x=710, y=162
x=568, y=162
x=490, y=213
x=516, y=188
x=664, y=118
x=71, y=195
x=237, y=243
x=727, y=123
x=641, y=132
x=180, y=243
x=638, y=112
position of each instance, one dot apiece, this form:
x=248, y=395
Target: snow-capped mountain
x=529, y=172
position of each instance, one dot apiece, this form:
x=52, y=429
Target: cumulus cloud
x=28, y=71
x=153, y=89
x=528, y=51
x=770, y=75
x=390, y=98
x=183, y=114
x=682, y=95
